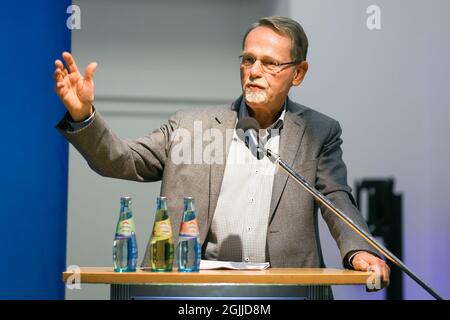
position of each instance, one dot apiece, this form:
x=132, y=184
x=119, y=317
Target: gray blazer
x=310, y=142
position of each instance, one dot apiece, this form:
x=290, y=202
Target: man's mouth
x=254, y=86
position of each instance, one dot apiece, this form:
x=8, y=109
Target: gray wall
x=386, y=87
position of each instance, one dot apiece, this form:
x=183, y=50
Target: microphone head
x=247, y=130
x=248, y=123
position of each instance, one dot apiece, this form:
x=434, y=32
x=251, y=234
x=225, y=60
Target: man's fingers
x=386, y=271
x=60, y=84
x=70, y=62
x=59, y=64
x=58, y=75
x=90, y=70
x=360, y=264
x=59, y=70
x=61, y=89
x=381, y=272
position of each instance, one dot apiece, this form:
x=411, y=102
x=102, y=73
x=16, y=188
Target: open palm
x=75, y=91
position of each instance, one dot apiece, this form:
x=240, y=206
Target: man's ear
x=300, y=72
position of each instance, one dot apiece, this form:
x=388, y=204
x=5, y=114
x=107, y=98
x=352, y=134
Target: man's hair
x=285, y=26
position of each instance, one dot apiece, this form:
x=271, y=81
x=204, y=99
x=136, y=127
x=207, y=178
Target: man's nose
x=256, y=69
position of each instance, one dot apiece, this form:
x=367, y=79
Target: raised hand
x=74, y=90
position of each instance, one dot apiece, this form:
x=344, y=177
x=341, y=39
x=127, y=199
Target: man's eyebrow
x=261, y=57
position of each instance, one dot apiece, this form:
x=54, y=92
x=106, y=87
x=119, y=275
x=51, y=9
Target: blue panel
x=34, y=155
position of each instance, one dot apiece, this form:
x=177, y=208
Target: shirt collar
x=278, y=124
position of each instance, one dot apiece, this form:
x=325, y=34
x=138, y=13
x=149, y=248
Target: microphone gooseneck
x=251, y=127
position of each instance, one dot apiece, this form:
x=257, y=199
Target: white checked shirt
x=239, y=227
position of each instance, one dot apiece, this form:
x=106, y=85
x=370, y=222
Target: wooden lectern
x=272, y=283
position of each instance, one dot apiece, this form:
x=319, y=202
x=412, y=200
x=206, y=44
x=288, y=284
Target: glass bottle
x=189, y=249
x=161, y=243
x=125, y=253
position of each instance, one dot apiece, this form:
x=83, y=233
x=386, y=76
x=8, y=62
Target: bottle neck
x=161, y=209
x=125, y=209
x=189, y=205
x=161, y=204
x=188, y=210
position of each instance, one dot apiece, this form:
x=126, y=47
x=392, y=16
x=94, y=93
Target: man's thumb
x=90, y=70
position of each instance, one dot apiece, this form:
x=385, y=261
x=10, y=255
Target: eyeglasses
x=267, y=64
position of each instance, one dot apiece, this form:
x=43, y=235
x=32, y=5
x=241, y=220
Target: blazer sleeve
x=331, y=181
x=141, y=160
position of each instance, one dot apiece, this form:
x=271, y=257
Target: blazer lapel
x=290, y=140
x=225, y=123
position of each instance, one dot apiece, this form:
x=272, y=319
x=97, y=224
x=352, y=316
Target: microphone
x=247, y=130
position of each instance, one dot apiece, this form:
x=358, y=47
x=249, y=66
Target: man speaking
x=247, y=211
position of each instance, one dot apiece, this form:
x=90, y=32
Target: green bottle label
x=162, y=230
x=125, y=227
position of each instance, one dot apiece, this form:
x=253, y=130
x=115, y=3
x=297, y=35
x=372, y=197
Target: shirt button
x=249, y=229
x=252, y=200
x=247, y=259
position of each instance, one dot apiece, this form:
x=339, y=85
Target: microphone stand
x=321, y=198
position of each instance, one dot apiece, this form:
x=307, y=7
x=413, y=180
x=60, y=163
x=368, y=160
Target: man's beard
x=259, y=96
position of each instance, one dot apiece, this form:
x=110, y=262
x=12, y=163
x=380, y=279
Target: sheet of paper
x=211, y=264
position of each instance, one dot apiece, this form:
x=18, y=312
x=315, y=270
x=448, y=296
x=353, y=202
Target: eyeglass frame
x=264, y=66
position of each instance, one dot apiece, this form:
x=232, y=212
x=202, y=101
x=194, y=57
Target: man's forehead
x=268, y=40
